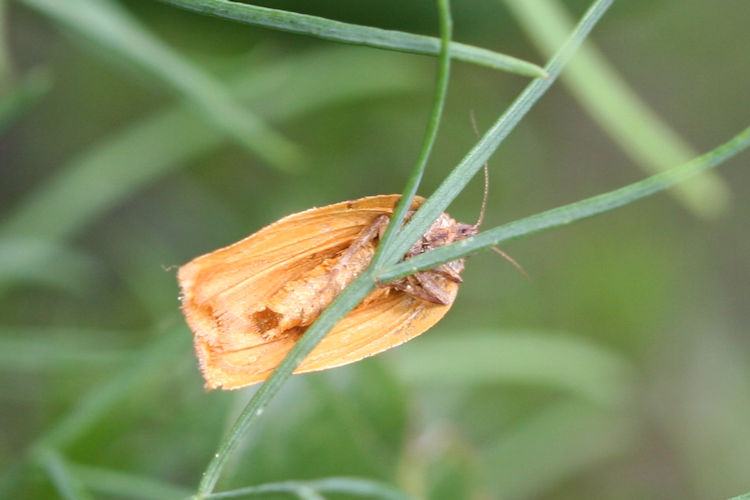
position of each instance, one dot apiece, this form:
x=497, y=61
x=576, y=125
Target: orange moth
x=248, y=303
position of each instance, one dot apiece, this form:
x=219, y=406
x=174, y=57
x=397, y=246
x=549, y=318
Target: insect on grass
x=248, y=303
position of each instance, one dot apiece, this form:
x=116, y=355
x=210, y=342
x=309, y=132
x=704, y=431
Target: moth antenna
x=486, y=174
x=513, y=261
x=484, y=204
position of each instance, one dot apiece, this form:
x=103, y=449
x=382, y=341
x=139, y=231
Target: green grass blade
x=21, y=97
x=44, y=262
x=112, y=28
x=604, y=94
x=358, y=487
x=122, y=485
x=563, y=362
x=168, y=140
x=746, y=496
x=328, y=29
x=546, y=450
x=51, y=349
x=307, y=493
x=344, y=303
x=5, y=65
x=95, y=405
x=480, y=153
x=339, y=485
x=438, y=104
x=67, y=485
x=570, y=213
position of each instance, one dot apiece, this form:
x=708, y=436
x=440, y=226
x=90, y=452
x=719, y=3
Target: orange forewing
x=223, y=288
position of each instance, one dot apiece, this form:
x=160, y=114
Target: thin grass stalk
x=569, y=213
x=341, y=306
x=337, y=31
x=345, y=302
x=455, y=182
x=438, y=104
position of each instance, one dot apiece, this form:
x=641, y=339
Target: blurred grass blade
x=66, y=484
x=553, y=447
x=354, y=293
x=352, y=424
x=20, y=97
x=168, y=140
x=307, y=493
x=6, y=72
x=91, y=407
x=746, y=496
x=563, y=362
x=353, y=486
x=95, y=405
x=38, y=350
x=357, y=487
x=569, y=213
x=344, y=302
x=605, y=95
x=44, y=262
x=460, y=176
x=122, y=485
x=337, y=31
x=106, y=24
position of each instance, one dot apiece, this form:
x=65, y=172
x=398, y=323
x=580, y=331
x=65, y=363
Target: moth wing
x=384, y=320
x=387, y=318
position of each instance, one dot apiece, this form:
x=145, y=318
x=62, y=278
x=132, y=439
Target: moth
x=248, y=303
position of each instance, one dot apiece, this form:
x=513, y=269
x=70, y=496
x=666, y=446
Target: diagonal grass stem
x=481, y=152
x=345, y=302
x=569, y=213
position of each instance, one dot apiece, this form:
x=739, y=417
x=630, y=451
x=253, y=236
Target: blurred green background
x=621, y=369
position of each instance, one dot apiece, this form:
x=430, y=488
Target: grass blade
x=570, y=213
x=158, y=145
x=438, y=104
x=97, y=403
x=5, y=64
x=480, y=153
x=39, y=350
x=111, y=27
x=563, y=362
x=67, y=485
x=44, y=262
x=328, y=29
x=21, y=97
x=342, y=485
x=122, y=485
x=345, y=302
x=608, y=99
x=553, y=446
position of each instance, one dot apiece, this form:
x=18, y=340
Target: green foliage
x=107, y=188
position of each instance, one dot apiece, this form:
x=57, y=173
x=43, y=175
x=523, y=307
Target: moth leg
x=451, y=270
x=366, y=236
x=423, y=286
x=432, y=288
